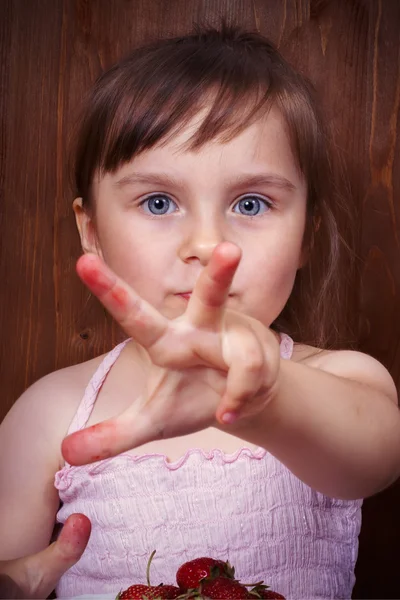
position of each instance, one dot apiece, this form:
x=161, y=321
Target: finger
x=43, y=570
x=60, y=556
x=136, y=316
x=212, y=287
x=244, y=355
x=106, y=439
x=72, y=541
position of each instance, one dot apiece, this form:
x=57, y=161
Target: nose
x=200, y=240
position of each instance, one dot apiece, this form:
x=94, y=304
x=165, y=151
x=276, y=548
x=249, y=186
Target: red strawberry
x=190, y=573
x=149, y=592
x=223, y=588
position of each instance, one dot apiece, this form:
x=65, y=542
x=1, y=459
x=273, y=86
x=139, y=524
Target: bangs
x=179, y=83
x=158, y=90
x=219, y=113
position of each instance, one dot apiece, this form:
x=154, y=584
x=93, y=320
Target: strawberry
x=224, y=588
x=191, y=573
x=149, y=592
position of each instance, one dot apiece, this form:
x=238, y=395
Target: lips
x=185, y=295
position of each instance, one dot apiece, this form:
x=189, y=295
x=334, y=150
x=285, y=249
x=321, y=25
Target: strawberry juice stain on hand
x=90, y=445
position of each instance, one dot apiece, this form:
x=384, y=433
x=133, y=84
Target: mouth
x=186, y=295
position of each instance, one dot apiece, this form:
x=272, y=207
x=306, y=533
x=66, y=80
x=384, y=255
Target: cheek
x=280, y=273
x=136, y=265
x=269, y=283
x=141, y=260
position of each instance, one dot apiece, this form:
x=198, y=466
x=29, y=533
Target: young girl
x=209, y=232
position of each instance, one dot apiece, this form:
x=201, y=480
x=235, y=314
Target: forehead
x=263, y=145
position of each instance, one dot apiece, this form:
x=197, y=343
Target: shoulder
x=349, y=364
x=67, y=381
x=60, y=388
x=46, y=408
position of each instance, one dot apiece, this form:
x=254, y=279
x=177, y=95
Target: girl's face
x=159, y=217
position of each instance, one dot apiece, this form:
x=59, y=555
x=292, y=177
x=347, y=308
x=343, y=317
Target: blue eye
x=252, y=205
x=159, y=204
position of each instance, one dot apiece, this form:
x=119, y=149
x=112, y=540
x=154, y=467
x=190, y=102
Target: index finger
x=127, y=430
x=212, y=288
x=138, y=318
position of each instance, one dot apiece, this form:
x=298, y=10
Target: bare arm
x=336, y=426
x=30, y=437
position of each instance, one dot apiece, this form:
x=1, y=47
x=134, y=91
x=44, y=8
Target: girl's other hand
x=211, y=365
x=35, y=576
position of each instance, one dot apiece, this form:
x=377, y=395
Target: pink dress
x=246, y=507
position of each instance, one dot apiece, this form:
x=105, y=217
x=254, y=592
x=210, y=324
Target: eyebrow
x=241, y=181
x=151, y=178
x=272, y=179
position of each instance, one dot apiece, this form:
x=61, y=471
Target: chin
x=172, y=312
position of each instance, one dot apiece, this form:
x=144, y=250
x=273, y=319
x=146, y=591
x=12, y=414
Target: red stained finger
x=39, y=573
x=213, y=285
x=74, y=537
x=94, y=274
x=91, y=444
x=136, y=316
x=120, y=297
x=128, y=430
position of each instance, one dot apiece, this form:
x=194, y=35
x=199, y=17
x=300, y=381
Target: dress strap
x=92, y=389
x=286, y=346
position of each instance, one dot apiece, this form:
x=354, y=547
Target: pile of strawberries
x=200, y=579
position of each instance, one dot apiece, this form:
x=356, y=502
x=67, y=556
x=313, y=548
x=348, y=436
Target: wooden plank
x=30, y=48
x=52, y=50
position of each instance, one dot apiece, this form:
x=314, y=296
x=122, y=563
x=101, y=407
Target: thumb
x=43, y=570
x=62, y=554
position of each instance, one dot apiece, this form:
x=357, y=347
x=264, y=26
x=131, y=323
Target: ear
x=86, y=228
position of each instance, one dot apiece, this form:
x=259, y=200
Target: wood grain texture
x=28, y=188
x=52, y=50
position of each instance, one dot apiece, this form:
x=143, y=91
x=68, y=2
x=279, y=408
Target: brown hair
x=236, y=76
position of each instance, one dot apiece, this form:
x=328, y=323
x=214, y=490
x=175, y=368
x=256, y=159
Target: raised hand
x=36, y=575
x=211, y=365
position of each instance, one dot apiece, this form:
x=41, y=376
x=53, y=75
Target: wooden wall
x=52, y=50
